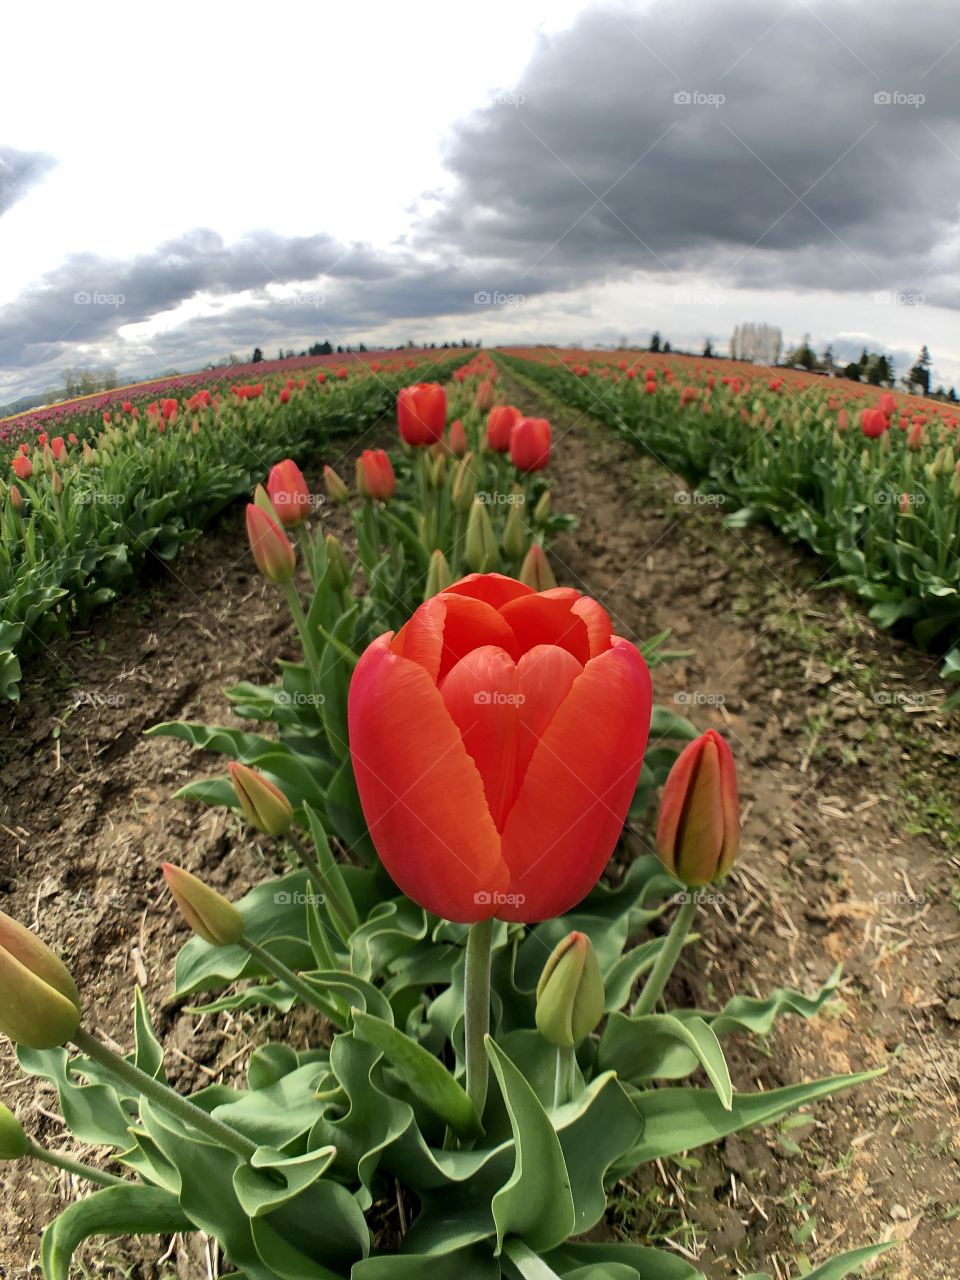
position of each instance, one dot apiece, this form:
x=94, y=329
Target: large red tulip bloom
x=496, y=740
x=530, y=444
x=501, y=420
x=873, y=423
x=289, y=493
x=422, y=413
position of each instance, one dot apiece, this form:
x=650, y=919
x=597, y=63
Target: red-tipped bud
x=208, y=913
x=570, y=993
x=264, y=805
x=16, y=498
x=535, y=571
x=337, y=491
x=458, y=438
x=273, y=553
x=915, y=437
x=289, y=493
x=484, y=395
x=698, y=830
x=39, y=1001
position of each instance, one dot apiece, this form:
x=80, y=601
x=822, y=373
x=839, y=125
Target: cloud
x=20, y=170
x=753, y=142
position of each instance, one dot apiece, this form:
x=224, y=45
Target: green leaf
x=272, y=1179
x=536, y=1203
x=473, y=1263
x=116, y=1211
x=665, y=723
x=148, y=1052
x=636, y=1047
x=643, y=1262
x=426, y=1076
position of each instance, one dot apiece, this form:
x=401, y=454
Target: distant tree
x=655, y=341
x=667, y=347
x=257, y=355
x=853, y=371
x=803, y=355
x=879, y=370
x=708, y=350
x=919, y=375
x=826, y=360
x=759, y=343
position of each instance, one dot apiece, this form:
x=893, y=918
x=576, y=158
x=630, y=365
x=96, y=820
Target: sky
x=181, y=186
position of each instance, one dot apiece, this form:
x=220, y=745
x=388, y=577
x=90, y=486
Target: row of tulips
x=80, y=512
x=869, y=481
x=489, y=1034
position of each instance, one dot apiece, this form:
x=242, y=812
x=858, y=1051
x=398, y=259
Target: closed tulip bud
x=275, y=557
x=955, y=485
x=209, y=914
x=904, y=503
x=57, y=483
x=439, y=576
x=464, y=484
x=16, y=498
x=481, y=543
x=915, y=438
x=39, y=1001
x=458, y=438
x=843, y=420
x=570, y=994
x=484, y=395
x=375, y=477
x=89, y=456
x=338, y=566
x=289, y=493
x=535, y=571
x=14, y=1143
x=515, y=536
x=887, y=405
x=541, y=512
x=337, y=491
x=264, y=805
x=698, y=830
x=437, y=469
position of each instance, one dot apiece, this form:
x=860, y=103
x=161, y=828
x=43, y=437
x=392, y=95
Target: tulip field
x=465, y=863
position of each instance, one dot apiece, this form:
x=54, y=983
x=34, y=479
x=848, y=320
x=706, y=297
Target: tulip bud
x=515, y=536
x=57, y=483
x=464, y=484
x=698, y=830
x=338, y=566
x=915, y=437
x=264, y=805
x=535, y=571
x=439, y=576
x=39, y=1001
x=289, y=493
x=14, y=1143
x=570, y=994
x=458, y=438
x=481, y=544
x=16, y=498
x=208, y=913
x=541, y=512
x=337, y=491
x=436, y=472
x=273, y=553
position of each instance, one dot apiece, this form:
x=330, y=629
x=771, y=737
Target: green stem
x=565, y=1074
x=340, y=905
x=60, y=1161
x=165, y=1097
x=304, y=990
x=669, y=952
x=306, y=639
x=477, y=1009
x=309, y=551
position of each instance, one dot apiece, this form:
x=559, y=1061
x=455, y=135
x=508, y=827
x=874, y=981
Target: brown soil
x=841, y=751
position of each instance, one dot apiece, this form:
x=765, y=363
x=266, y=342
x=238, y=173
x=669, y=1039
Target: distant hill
x=29, y=402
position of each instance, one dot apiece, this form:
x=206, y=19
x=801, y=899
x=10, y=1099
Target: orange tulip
x=530, y=444
x=22, y=466
x=289, y=493
x=496, y=740
x=375, y=478
x=698, y=828
x=501, y=420
x=422, y=413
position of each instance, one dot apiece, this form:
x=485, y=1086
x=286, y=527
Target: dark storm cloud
x=19, y=170
x=747, y=140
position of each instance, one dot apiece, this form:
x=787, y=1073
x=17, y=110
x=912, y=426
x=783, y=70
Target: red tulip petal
x=593, y=614
x=446, y=628
x=482, y=694
x=575, y=796
x=546, y=676
x=493, y=588
x=538, y=620
x=425, y=809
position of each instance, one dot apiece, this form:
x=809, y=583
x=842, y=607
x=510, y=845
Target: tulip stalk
x=163, y=1096
x=58, y=1160
x=565, y=1074
x=308, y=994
x=306, y=639
x=309, y=553
x=667, y=959
x=477, y=1010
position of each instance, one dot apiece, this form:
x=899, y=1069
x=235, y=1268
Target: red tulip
x=530, y=444
x=458, y=438
x=501, y=420
x=274, y=555
x=168, y=409
x=127, y=406
x=285, y=396
x=22, y=466
x=422, y=413
x=496, y=740
x=915, y=437
x=698, y=829
x=59, y=447
x=289, y=493
x=375, y=478
x=843, y=420
x=16, y=498
x=887, y=405
x=484, y=395
x=873, y=423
